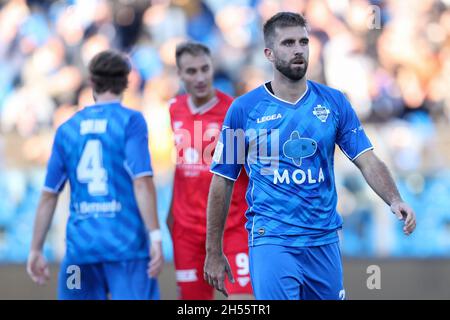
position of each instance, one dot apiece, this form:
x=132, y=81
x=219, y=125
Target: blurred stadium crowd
x=392, y=58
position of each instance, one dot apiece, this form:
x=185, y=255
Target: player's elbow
x=368, y=161
x=220, y=186
x=49, y=196
x=220, y=183
x=143, y=184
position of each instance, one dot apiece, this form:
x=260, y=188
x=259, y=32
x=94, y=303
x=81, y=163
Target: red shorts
x=189, y=258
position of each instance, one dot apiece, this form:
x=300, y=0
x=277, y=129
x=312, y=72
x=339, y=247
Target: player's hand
x=404, y=212
x=215, y=269
x=37, y=267
x=156, y=263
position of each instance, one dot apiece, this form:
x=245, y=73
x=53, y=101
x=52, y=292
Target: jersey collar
x=203, y=108
x=284, y=101
x=104, y=103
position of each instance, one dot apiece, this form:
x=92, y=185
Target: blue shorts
x=307, y=273
x=121, y=280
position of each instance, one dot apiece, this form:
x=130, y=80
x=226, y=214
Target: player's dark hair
x=281, y=20
x=108, y=71
x=192, y=48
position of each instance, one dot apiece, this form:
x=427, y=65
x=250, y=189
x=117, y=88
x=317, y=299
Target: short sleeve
x=229, y=154
x=351, y=137
x=56, y=170
x=137, y=154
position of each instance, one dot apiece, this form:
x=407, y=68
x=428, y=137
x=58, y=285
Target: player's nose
x=299, y=49
x=201, y=77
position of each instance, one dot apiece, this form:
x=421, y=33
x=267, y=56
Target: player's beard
x=292, y=73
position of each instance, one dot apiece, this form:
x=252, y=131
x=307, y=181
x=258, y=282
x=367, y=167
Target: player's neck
x=201, y=101
x=106, y=97
x=287, y=89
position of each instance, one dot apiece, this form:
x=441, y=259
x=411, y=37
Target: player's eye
x=304, y=42
x=190, y=71
x=288, y=43
x=205, y=68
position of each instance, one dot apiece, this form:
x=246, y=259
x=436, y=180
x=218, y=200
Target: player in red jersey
x=196, y=119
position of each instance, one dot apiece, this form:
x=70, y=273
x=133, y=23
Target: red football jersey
x=196, y=132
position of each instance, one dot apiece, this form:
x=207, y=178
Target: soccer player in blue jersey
x=285, y=132
x=113, y=242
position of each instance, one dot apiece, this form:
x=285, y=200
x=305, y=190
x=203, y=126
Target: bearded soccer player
x=113, y=242
x=292, y=217
x=196, y=119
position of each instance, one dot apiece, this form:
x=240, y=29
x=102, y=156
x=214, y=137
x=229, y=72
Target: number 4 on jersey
x=90, y=169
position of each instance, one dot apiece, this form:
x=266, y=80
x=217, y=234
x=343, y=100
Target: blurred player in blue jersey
x=113, y=242
x=285, y=132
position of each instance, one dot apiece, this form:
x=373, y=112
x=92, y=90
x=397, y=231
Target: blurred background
x=392, y=59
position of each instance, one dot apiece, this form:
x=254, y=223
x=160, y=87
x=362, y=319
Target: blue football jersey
x=100, y=150
x=287, y=150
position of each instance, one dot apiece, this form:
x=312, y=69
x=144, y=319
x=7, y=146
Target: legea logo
x=269, y=118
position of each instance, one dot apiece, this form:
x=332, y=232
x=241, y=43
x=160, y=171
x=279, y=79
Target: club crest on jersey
x=297, y=148
x=321, y=112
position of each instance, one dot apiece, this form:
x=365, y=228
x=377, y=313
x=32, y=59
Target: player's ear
x=269, y=54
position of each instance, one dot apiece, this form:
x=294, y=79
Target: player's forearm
x=42, y=222
x=169, y=219
x=380, y=180
x=218, y=204
x=144, y=190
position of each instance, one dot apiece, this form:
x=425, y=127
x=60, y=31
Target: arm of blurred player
x=169, y=219
x=37, y=266
x=216, y=264
x=139, y=165
x=144, y=190
x=380, y=180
